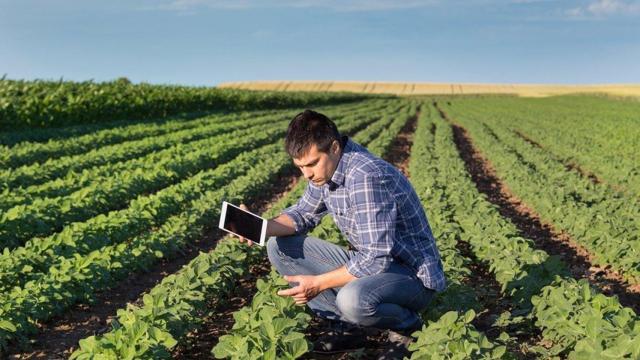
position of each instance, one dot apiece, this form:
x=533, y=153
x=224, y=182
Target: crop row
x=33, y=260
x=55, y=168
x=33, y=104
x=74, y=181
x=537, y=285
x=248, y=338
x=46, y=216
x=155, y=171
x=77, y=278
x=603, y=221
x=449, y=332
x=30, y=152
x=572, y=128
x=142, y=213
x=112, y=343
x=77, y=180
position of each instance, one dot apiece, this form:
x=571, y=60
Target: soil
x=401, y=146
x=219, y=321
x=59, y=337
x=571, y=166
x=580, y=262
x=376, y=340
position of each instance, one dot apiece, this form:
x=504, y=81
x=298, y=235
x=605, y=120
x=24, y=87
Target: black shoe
x=398, y=343
x=340, y=338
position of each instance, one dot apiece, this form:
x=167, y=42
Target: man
x=395, y=269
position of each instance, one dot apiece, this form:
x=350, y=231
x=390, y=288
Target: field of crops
x=110, y=246
x=431, y=88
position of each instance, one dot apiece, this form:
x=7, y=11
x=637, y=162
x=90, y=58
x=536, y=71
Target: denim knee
x=273, y=250
x=353, y=305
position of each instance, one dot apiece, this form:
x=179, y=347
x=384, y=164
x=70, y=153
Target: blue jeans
x=389, y=300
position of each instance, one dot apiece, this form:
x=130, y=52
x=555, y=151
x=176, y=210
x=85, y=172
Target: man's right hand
x=232, y=227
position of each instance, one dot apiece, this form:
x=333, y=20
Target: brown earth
x=580, y=262
x=376, y=340
x=59, y=337
x=219, y=321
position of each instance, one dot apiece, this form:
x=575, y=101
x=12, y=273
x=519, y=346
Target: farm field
x=110, y=246
x=421, y=88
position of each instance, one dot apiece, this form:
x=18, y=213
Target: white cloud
x=336, y=5
x=604, y=8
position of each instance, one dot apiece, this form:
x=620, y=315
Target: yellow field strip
x=399, y=88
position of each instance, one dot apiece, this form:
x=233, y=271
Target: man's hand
x=307, y=288
x=233, y=228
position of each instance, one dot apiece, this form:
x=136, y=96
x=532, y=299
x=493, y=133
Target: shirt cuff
x=298, y=221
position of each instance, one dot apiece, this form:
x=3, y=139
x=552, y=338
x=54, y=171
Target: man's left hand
x=307, y=288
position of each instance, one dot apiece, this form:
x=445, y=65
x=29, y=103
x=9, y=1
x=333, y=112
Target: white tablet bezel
x=223, y=215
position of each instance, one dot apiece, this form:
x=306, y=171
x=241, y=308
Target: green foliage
x=574, y=317
x=45, y=216
x=271, y=328
x=170, y=310
x=41, y=103
x=448, y=195
x=595, y=133
x=186, y=226
x=454, y=337
x=250, y=338
x=600, y=218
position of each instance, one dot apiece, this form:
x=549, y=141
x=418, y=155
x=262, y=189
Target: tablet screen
x=243, y=223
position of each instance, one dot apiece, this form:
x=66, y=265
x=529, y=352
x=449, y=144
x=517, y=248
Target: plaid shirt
x=379, y=212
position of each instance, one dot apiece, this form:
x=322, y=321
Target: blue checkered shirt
x=379, y=212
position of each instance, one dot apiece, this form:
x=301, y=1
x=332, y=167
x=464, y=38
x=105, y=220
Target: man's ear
x=335, y=146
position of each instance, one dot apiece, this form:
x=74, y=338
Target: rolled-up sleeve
x=375, y=213
x=308, y=211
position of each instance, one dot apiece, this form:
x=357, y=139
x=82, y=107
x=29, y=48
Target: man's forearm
x=281, y=225
x=336, y=278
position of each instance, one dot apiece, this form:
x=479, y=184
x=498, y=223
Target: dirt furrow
x=570, y=166
x=580, y=262
x=219, y=321
x=398, y=155
x=58, y=338
x=401, y=147
x=200, y=342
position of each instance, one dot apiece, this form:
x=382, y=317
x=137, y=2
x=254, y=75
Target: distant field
x=398, y=88
x=109, y=247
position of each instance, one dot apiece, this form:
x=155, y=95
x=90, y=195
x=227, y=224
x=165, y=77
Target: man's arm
x=375, y=213
x=296, y=219
x=281, y=225
x=336, y=278
x=309, y=286
x=308, y=211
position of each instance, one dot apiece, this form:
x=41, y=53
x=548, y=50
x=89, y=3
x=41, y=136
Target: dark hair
x=307, y=128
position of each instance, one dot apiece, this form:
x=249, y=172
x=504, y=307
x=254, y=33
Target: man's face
x=317, y=166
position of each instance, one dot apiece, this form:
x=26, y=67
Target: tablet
x=243, y=223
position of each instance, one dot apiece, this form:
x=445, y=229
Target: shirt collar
x=337, y=179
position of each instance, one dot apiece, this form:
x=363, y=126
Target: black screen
x=243, y=223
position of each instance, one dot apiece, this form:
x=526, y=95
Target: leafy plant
x=454, y=337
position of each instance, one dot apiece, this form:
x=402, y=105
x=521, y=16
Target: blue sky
x=205, y=42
